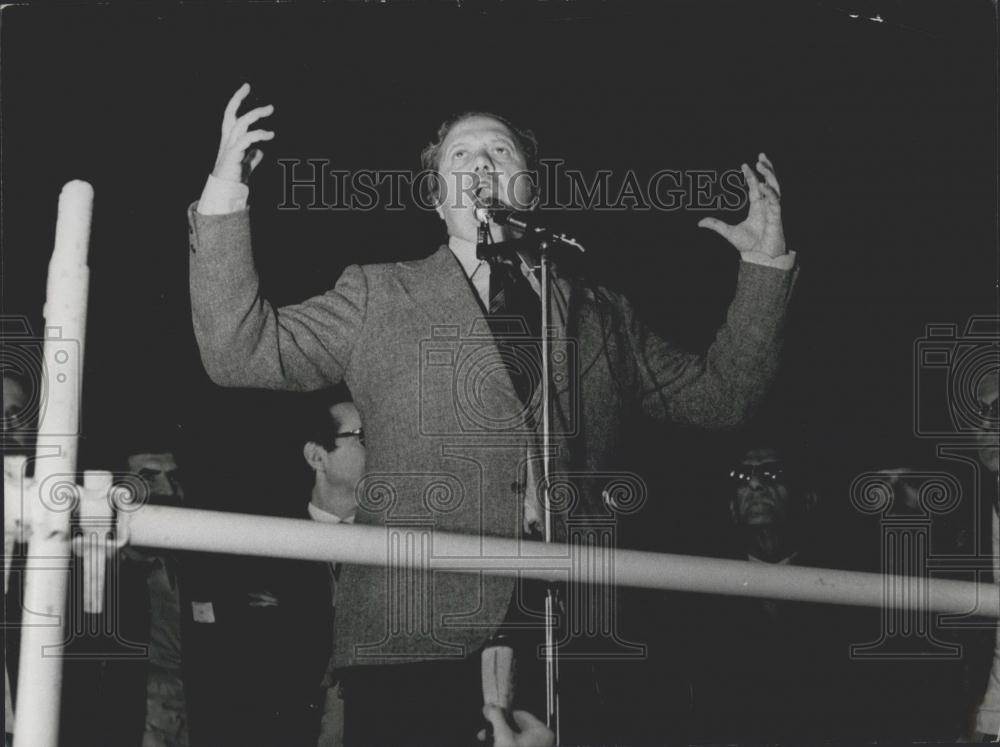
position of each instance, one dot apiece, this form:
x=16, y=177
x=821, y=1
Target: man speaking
x=449, y=403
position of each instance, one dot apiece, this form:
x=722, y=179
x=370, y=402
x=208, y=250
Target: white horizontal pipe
x=244, y=534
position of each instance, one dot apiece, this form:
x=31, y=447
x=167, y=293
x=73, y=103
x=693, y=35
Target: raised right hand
x=236, y=159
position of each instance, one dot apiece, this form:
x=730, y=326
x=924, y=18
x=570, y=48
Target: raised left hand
x=761, y=232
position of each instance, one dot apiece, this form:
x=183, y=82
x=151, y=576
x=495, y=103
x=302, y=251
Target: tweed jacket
x=447, y=435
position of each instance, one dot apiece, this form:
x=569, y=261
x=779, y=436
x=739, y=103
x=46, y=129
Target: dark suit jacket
x=773, y=670
x=446, y=439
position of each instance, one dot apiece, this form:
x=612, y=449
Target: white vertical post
x=48, y=560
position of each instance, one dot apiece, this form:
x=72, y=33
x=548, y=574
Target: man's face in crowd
x=989, y=451
x=479, y=158
x=344, y=465
x=762, y=497
x=16, y=426
x=160, y=473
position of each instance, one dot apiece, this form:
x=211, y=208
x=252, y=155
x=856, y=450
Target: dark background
x=883, y=133
x=880, y=117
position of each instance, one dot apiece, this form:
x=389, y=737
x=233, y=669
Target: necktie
x=515, y=319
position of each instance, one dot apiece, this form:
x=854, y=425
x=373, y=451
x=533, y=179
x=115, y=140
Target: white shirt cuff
x=318, y=514
x=781, y=262
x=222, y=196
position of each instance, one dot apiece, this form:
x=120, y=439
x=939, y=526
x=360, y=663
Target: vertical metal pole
x=551, y=659
x=48, y=558
x=546, y=424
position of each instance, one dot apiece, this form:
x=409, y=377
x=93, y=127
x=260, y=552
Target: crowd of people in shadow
x=218, y=650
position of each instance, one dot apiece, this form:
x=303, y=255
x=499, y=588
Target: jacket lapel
x=439, y=288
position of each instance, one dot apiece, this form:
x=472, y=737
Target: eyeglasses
x=360, y=433
x=765, y=472
x=989, y=410
x=15, y=417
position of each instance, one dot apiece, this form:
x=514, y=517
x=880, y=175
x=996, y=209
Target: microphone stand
x=551, y=657
x=544, y=241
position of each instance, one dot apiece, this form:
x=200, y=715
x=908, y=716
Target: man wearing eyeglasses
x=335, y=452
x=989, y=413
x=284, y=694
x=987, y=728
x=770, y=670
x=770, y=514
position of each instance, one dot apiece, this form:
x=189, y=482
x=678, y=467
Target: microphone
x=504, y=216
x=524, y=221
x=499, y=678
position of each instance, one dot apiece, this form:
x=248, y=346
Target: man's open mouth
x=484, y=198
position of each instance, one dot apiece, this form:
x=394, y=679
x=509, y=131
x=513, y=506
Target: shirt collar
x=465, y=252
x=783, y=561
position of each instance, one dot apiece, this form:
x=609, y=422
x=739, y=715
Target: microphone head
x=501, y=216
x=492, y=209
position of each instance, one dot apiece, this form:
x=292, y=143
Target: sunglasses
x=765, y=472
x=360, y=433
